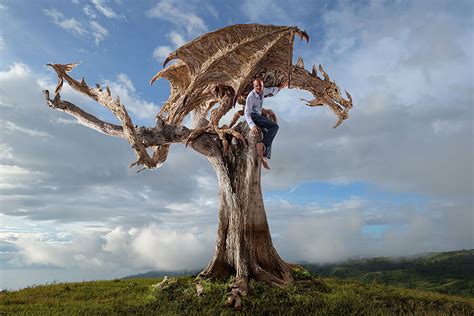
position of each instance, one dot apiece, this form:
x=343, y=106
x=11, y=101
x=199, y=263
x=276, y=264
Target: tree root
x=240, y=287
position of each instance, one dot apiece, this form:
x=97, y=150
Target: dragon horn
x=326, y=77
x=349, y=96
x=314, y=71
x=300, y=63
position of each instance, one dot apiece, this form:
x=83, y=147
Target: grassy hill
x=309, y=295
x=445, y=272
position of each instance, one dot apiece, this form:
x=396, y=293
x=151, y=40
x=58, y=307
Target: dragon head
x=325, y=91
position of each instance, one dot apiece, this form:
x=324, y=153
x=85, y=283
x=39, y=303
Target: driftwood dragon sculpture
x=215, y=68
x=218, y=67
x=210, y=75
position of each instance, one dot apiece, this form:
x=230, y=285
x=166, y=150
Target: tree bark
x=244, y=245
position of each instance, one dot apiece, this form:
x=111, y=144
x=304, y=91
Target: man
x=255, y=120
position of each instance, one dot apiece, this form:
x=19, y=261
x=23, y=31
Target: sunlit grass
x=308, y=295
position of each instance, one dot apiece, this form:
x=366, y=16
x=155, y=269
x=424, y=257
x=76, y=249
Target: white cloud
x=16, y=70
x=410, y=131
x=11, y=127
x=78, y=252
x=123, y=79
x=317, y=234
x=171, y=250
x=92, y=30
x=98, y=32
x=124, y=87
x=13, y=176
x=109, y=192
x=179, y=15
x=5, y=105
x=161, y=52
x=73, y=145
x=408, y=70
x=144, y=248
x=312, y=234
x=6, y=151
x=102, y=7
x=89, y=11
x=63, y=121
x=70, y=24
x=177, y=39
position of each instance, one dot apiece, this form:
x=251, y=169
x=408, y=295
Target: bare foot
x=265, y=163
x=260, y=149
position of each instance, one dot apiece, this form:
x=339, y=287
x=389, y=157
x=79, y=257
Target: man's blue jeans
x=269, y=130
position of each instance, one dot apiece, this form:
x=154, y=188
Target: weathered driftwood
x=218, y=68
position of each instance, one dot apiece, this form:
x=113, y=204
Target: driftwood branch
x=158, y=137
x=83, y=117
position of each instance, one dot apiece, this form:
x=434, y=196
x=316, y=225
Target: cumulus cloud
x=178, y=14
x=150, y=247
x=344, y=229
x=408, y=69
x=124, y=87
x=161, y=52
x=177, y=39
x=410, y=126
x=116, y=195
x=312, y=233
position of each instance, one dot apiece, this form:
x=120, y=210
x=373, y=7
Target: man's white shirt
x=254, y=103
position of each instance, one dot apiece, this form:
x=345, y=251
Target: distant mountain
x=444, y=272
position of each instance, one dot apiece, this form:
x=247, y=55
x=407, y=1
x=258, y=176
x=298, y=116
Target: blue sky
x=394, y=179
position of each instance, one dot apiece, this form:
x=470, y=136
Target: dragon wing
x=230, y=56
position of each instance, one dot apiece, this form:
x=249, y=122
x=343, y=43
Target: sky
x=395, y=179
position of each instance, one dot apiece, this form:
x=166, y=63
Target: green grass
x=309, y=295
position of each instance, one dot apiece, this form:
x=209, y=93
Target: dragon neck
x=304, y=80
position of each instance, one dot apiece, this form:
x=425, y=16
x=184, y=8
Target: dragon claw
x=221, y=132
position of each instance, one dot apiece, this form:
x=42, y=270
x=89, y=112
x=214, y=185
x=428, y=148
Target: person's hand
x=283, y=85
x=255, y=131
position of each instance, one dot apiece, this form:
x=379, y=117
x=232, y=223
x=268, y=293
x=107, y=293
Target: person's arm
x=248, y=111
x=271, y=91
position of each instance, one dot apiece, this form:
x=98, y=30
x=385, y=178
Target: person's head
x=258, y=85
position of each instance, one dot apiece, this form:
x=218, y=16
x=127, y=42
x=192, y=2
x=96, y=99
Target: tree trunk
x=244, y=245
